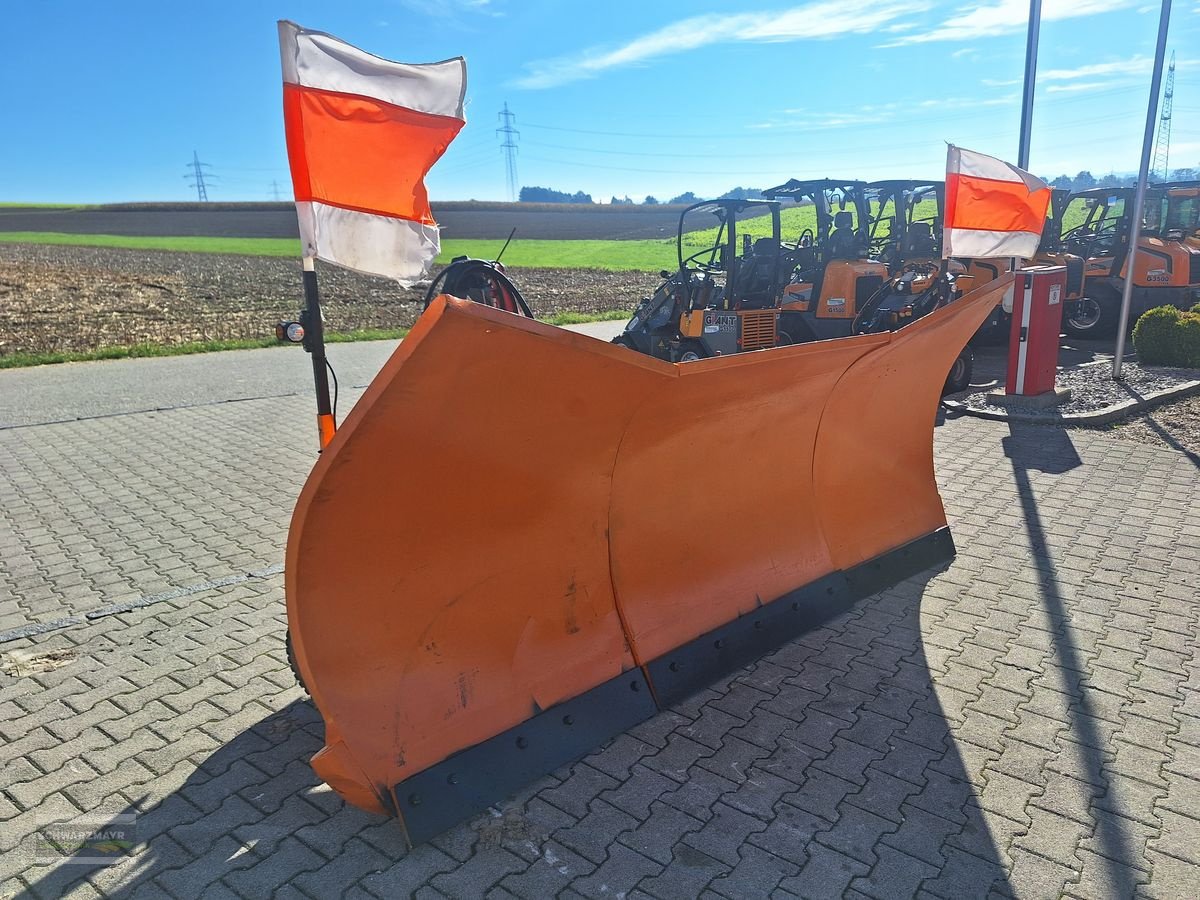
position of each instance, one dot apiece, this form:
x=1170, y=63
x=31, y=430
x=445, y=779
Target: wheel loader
x=832, y=272
x=719, y=301
x=1167, y=267
x=907, y=231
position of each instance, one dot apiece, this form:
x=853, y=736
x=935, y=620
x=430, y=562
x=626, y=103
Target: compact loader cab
x=906, y=222
x=1181, y=213
x=832, y=274
x=1166, y=271
x=723, y=298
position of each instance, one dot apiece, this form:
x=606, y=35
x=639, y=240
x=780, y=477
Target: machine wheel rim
x=1086, y=315
x=957, y=371
x=689, y=356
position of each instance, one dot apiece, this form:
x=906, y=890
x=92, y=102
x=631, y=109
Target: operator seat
x=918, y=243
x=754, y=275
x=843, y=241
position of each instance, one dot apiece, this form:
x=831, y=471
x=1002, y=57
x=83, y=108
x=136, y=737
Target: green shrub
x=1166, y=336
x=1196, y=308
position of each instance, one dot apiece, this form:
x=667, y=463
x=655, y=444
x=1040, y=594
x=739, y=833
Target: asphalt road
x=64, y=393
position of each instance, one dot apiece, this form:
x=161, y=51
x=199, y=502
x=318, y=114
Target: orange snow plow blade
x=522, y=541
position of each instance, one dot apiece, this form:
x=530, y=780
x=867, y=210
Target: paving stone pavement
x=1024, y=723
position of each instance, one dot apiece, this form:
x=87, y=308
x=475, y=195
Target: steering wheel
x=714, y=262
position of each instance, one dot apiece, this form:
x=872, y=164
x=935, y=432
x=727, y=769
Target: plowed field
x=58, y=298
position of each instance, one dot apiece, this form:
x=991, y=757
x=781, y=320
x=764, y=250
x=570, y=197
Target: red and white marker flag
x=362, y=132
x=992, y=208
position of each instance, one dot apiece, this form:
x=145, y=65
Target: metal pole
x=1031, y=51
x=314, y=343
x=1139, y=197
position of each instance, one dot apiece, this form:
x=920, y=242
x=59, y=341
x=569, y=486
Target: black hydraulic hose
x=481, y=281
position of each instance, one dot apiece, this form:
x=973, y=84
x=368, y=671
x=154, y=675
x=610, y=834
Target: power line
x=275, y=195
x=985, y=111
x=197, y=177
x=509, y=146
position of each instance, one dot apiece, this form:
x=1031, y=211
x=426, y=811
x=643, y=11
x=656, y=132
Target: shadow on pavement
x=1050, y=450
x=827, y=767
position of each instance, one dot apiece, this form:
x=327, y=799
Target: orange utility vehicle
x=832, y=272
x=718, y=301
x=1166, y=268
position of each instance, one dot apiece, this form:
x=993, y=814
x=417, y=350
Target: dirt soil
x=56, y=298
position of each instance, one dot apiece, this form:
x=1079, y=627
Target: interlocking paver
x=661, y=832
x=826, y=873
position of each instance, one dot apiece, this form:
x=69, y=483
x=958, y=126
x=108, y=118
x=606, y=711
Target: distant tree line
x=548, y=195
x=1085, y=180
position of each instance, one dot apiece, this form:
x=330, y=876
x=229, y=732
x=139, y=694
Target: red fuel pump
x=1036, y=321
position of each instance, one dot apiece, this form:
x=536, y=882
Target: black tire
x=291, y=658
x=622, y=341
x=1093, y=316
x=690, y=351
x=783, y=339
x=959, y=378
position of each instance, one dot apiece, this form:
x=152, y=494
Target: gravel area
x=1177, y=425
x=1092, y=386
x=55, y=298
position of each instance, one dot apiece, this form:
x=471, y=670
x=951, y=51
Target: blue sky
x=106, y=101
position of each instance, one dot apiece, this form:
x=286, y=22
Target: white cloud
x=1077, y=87
x=1006, y=16
x=813, y=21
x=1136, y=65
x=968, y=102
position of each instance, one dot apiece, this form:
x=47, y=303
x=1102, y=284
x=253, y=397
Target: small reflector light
x=293, y=332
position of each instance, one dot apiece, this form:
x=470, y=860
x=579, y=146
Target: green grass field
x=614, y=256
x=16, y=204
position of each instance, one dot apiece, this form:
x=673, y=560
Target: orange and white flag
x=362, y=132
x=992, y=208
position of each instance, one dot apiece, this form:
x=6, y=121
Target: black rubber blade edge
x=695, y=665
x=473, y=779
